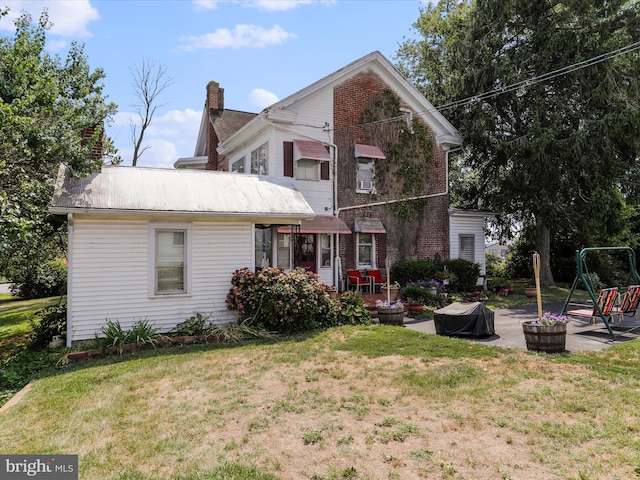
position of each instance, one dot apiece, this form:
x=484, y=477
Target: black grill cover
x=459, y=319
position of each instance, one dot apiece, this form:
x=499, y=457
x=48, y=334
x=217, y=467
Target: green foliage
x=115, y=336
x=464, y=274
x=52, y=111
x=194, y=325
x=569, y=136
x=26, y=364
x=495, y=264
x=282, y=302
x=50, y=321
x=351, y=310
x=423, y=269
x=42, y=280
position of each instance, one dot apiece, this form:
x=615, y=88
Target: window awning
x=368, y=151
x=320, y=224
x=310, y=150
x=368, y=225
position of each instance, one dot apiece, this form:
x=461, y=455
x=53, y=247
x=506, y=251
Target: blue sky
x=258, y=51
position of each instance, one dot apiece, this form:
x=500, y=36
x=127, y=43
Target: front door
x=305, y=251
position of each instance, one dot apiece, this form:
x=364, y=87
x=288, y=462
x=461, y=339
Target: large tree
x=52, y=111
x=547, y=97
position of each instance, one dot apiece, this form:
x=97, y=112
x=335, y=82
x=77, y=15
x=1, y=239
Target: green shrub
x=496, y=265
x=351, y=310
x=42, y=280
x=282, y=302
x=142, y=332
x=413, y=292
x=464, y=275
x=192, y=326
x=423, y=269
x=49, y=322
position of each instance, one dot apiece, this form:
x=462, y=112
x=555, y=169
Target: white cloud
x=160, y=153
x=241, y=36
x=70, y=18
x=270, y=5
x=259, y=97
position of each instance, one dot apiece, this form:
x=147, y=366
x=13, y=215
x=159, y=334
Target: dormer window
x=366, y=156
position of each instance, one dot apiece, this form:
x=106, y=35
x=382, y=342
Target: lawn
x=349, y=403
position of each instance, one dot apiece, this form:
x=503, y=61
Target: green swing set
x=606, y=303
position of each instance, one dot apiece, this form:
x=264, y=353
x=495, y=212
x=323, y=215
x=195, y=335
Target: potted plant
x=415, y=305
x=391, y=313
x=547, y=333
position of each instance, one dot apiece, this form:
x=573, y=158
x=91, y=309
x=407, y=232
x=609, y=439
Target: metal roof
x=135, y=190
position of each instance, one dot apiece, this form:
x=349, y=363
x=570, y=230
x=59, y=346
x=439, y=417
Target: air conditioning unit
x=365, y=185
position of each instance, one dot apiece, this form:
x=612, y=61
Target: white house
x=161, y=244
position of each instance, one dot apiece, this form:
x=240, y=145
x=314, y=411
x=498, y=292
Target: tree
x=551, y=150
x=149, y=81
x=52, y=111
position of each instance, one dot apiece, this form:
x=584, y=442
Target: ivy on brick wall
x=408, y=146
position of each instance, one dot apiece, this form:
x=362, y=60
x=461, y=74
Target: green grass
x=14, y=319
x=352, y=402
x=555, y=294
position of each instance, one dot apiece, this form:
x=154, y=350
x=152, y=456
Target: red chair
x=357, y=280
x=377, y=280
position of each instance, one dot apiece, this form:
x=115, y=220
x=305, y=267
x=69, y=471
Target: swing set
x=608, y=302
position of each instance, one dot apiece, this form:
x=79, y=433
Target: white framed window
x=325, y=250
x=170, y=253
x=238, y=166
x=259, y=160
x=467, y=243
x=263, y=246
x=366, y=173
x=307, y=169
x=366, y=250
x=284, y=250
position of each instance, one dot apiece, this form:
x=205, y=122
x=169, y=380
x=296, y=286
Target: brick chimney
x=214, y=107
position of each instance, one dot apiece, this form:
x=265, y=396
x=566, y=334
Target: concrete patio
x=508, y=327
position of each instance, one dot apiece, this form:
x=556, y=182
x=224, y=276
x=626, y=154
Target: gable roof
x=116, y=190
x=282, y=111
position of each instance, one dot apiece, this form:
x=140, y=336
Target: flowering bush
x=394, y=305
x=284, y=302
x=549, y=319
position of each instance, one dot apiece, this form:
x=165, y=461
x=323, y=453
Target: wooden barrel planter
x=545, y=338
x=391, y=316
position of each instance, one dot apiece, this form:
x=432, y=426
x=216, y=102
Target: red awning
x=368, y=151
x=368, y=225
x=320, y=224
x=310, y=150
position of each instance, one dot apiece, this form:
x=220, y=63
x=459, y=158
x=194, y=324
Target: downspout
x=69, y=276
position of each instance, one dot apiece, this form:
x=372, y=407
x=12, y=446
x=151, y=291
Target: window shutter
x=288, y=158
x=324, y=171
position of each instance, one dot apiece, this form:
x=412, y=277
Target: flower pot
x=415, y=309
x=545, y=338
x=530, y=291
x=390, y=316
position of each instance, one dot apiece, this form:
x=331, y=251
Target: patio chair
x=377, y=279
x=357, y=281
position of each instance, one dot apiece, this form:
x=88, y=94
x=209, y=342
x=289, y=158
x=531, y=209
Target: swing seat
x=630, y=301
x=607, y=301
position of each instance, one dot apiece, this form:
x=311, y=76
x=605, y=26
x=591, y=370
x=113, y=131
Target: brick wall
x=423, y=236
x=214, y=106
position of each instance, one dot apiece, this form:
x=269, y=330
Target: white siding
x=110, y=274
x=461, y=224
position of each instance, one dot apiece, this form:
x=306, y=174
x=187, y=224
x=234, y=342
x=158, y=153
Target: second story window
x=366, y=155
x=365, y=175
x=307, y=169
x=238, y=166
x=259, y=160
